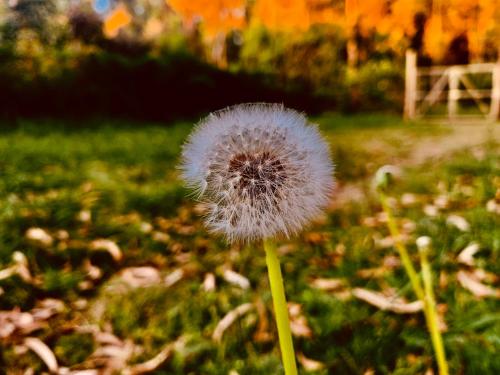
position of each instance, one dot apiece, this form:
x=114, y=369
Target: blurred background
x=161, y=60
x=105, y=266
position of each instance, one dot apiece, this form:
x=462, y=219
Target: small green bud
x=385, y=176
x=424, y=244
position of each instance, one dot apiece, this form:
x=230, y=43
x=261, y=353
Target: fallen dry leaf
x=139, y=277
x=160, y=237
x=173, y=277
x=8, y=272
x=493, y=206
x=327, y=284
x=93, y=272
x=156, y=361
x=229, y=319
x=431, y=210
x=113, y=357
x=22, y=266
x=109, y=246
x=471, y=283
x=39, y=236
x=466, y=256
x=236, y=279
x=298, y=322
x=309, y=364
x=146, y=227
x=47, y=308
x=459, y=222
x=43, y=351
x=409, y=199
x=209, y=282
x=84, y=216
x=262, y=333
x=442, y=201
x=383, y=302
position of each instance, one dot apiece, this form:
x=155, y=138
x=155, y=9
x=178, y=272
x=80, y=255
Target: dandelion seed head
x=261, y=169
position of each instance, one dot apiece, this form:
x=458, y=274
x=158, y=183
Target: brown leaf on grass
x=370, y=222
x=22, y=266
x=113, y=357
x=39, y=236
x=389, y=241
x=139, y=277
x=47, y=308
x=158, y=360
x=390, y=303
x=160, y=237
x=146, y=227
x=327, y=284
x=309, y=364
x=229, y=319
x=442, y=201
x=409, y=200
x=431, y=210
x=109, y=246
x=298, y=322
x=262, y=334
x=93, y=272
x=84, y=216
x=100, y=337
x=459, y=222
x=174, y=277
x=15, y=322
x=44, y=352
x=236, y=279
x=470, y=282
x=317, y=238
x=209, y=282
x=369, y=273
x=8, y=272
x=408, y=226
x=466, y=256
x=482, y=275
x=493, y=206
x=287, y=249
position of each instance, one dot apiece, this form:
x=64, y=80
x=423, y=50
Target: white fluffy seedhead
x=260, y=169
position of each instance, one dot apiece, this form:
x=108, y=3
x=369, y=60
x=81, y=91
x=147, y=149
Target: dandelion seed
x=261, y=169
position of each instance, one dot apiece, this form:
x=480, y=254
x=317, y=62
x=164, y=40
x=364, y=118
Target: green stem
x=280, y=308
x=430, y=302
x=425, y=295
x=400, y=247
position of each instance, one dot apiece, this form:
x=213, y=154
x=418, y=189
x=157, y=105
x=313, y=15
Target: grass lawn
x=108, y=200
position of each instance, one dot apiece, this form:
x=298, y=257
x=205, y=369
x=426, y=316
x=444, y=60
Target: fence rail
x=450, y=84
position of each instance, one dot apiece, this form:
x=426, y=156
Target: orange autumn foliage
x=479, y=20
x=476, y=19
x=294, y=14
x=116, y=20
x=216, y=16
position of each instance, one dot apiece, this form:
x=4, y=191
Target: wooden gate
x=427, y=88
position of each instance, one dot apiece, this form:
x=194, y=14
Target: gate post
x=453, y=92
x=410, y=84
x=495, y=93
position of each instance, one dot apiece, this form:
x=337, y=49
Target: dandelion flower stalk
x=262, y=171
x=383, y=179
x=424, y=245
x=280, y=308
x=401, y=249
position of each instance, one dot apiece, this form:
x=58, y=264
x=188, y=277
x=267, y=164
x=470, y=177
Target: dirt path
x=434, y=147
x=462, y=136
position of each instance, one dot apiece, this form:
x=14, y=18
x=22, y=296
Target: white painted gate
x=450, y=85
